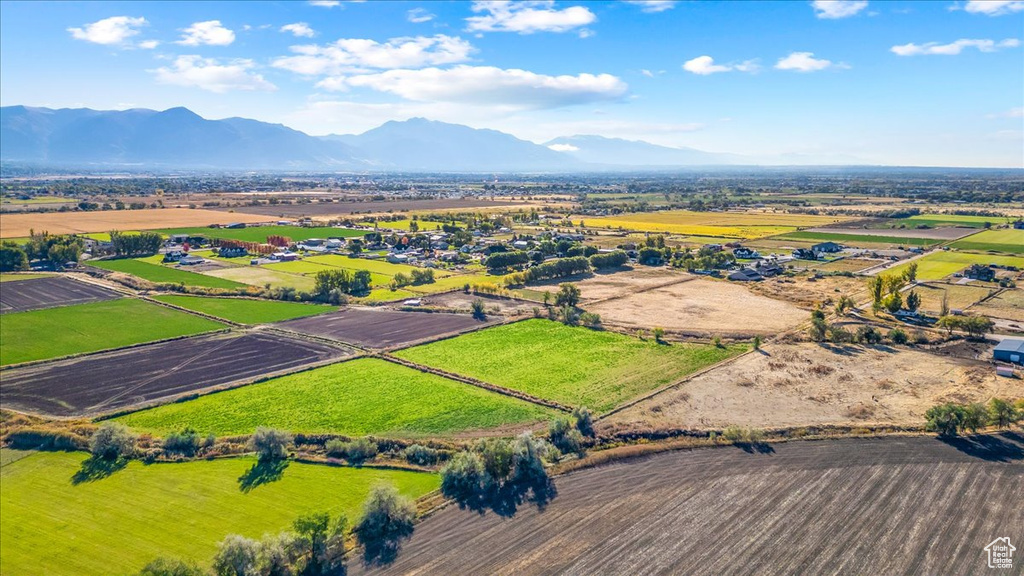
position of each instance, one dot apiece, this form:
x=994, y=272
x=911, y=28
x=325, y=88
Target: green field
x=943, y=263
x=1010, y=241
x=378, y=266
x=246, y=311
x=260, y=233
x=117, y=524
x=55, y=332
x=261, y=276
x=939, y=220
x=355, y=398
x=573, y=366
x=857, y=238
x=159, y=273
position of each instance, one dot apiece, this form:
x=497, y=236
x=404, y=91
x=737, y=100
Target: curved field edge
x=353, y=398
x=159, y=273
x=83, y=328
x=570, y=365
x=117, y=524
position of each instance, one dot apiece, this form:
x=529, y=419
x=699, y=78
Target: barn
x=1010, y=350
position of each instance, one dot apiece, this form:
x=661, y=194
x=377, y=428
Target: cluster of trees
x=552, y=269
x=505, y=260
x=703, y=259
x=141, y=244
x=55, y=248
x=609, y=260
x=415, y=278
x=822, y=331
x=885, y=291
x=500, y=475
x=975, y=326
x=332, y=284
x=950, y=419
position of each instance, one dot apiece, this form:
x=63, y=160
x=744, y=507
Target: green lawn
x=1009, y=240
x=117, y=524
x=261, y=276
x=246, y=311
x=54, y=332
x=943, y=263
x=573, y=366
x=260, y=233
x=359, y=397
x=857, y=238
x=158, y=273
x=378, y=266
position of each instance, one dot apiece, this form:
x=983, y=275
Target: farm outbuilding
x=1010, y=350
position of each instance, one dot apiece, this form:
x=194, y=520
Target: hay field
x=724, y=224
x=19, y=225
x=1010, y=241
x=701, y=307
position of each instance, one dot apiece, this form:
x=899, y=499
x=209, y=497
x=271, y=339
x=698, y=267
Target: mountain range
x=178, y=138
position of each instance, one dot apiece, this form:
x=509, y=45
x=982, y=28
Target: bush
x=236, y=556
x=868, y=335
x=463, y=477
x=477, y=307
x=584, y=421
x=111, y=441
x=387, y=520
x=421, y=455
x=568, y=294
x=43, y=439
x=945, y=419
x=1002, y=414
x=270, y=444
x=659, y=335
x=185, y=442
x=360, y=450
x=565, y=437
x=590, y=320
x=898, y=336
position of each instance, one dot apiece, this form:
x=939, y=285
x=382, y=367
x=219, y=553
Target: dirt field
x=1007, y=304
x=803, y=384
x=122, y=378
x=48, y=292
x=957, y=296
x=324, y=209
x=19, y=225
x=462, y=302
x=701, y=307
x=856, y=506
x=626, y=281
x=945, y=233
x=374, y=328
x=802, y=292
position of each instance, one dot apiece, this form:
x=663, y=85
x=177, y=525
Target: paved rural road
x=854, y=506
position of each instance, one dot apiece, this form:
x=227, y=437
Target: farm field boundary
x=51, y=292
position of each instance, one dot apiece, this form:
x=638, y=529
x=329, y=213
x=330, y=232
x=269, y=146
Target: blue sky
x=912, y=83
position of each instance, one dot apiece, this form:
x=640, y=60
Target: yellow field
x=19, y=225
x=723, y=224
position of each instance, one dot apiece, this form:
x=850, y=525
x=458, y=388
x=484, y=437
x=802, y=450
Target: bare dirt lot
x=123, y=378
x=379, y=329
x=803, y=384
x=945, y=233
x=462, y=302
x=622, y=282
x=855, y=506
x=701, y=307
x=806, y=293
x=321, y=209
x=19, y=225
x=48, y=292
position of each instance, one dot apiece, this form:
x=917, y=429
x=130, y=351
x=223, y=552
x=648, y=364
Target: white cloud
x=527, y=17
x=419, y=16
x=355, y=54
x=1015, y=112
x=112, y=31
x=564, y=148
x=953, y=48
x=805, y=62
x=209, y=74
x=210, y=32
x=149, y=44
x=299, y=29
x=994, y=7
x=705, y=65
x=652, y=6
x=647, y=73
x=487, y=85
x=834, y=9
x=324, y=3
